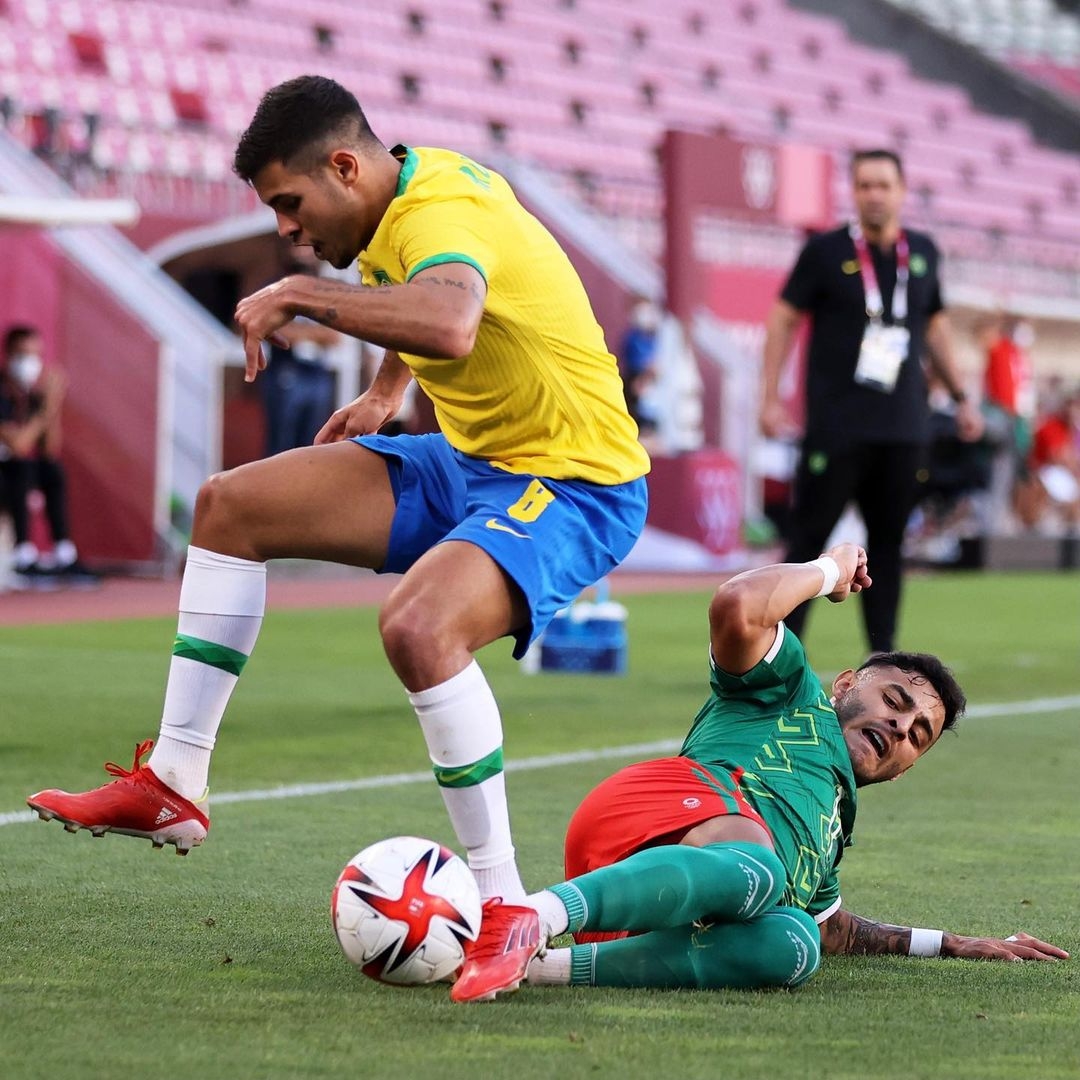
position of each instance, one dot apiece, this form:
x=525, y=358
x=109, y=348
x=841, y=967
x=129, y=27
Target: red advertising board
x=711, y=181
x=698, y=496
x=735, y=213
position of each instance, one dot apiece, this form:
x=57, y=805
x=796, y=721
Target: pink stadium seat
x=755, y=67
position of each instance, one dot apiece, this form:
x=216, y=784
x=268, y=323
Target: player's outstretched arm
x=746, y=609
x=847, y=933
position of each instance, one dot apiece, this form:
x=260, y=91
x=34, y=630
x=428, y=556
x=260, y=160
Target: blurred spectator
x=298, y=387
x=1055, y=468
x=775, y=462
x=30, y=399
x=1009, y=410
x=672, y=400
x=956, y=475
x=637, y=363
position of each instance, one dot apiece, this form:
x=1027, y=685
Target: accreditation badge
x=883, y=350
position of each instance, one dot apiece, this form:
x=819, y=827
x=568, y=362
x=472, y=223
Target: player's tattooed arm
x=324, y=300
x=844, y=932
x=328, y=296
x=443, y=326
x=471, y=287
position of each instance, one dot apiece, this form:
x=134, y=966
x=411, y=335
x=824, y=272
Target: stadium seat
x=587, y=87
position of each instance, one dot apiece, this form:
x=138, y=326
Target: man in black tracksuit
x=872, y=292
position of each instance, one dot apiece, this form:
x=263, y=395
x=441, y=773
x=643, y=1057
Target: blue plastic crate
x=586, y=638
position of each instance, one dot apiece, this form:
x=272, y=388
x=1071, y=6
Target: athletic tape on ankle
x=827, y=565
x=217, y=584
x=925, y=942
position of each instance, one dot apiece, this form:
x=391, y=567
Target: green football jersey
x=775, y=730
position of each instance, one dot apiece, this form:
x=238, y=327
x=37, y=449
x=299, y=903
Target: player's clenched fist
x=851, y=561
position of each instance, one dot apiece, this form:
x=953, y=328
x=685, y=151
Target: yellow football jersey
x=540, y=392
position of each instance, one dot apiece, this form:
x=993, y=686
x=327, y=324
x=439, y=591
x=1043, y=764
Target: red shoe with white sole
x=137, y=803
x=497, y=961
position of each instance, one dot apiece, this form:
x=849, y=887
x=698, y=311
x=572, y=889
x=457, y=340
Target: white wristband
x=925, y=942
x=827, y=565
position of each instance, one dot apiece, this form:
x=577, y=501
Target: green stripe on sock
x=574, y=903
x=207, y=652
x=470, y=775
x=582, y=964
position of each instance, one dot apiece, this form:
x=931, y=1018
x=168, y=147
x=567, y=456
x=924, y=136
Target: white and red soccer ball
x=403, y=910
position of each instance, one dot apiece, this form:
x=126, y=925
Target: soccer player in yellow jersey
x=533, y=489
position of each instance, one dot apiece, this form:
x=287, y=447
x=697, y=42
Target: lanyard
x=875, y=306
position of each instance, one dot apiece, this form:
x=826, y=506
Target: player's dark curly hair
x=293, y=123
x=930, y=668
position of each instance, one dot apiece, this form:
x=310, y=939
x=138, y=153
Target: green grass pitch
x=119, y=960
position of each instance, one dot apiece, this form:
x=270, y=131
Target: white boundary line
x=547, y=761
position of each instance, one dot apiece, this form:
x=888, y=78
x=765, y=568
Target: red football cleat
x=499, y=958
x=135, y=804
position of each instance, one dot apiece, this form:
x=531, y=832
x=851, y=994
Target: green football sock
x=675, y=885
x=780, y=948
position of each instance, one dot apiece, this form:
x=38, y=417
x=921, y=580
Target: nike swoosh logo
x=451, y=778
x=491, y=523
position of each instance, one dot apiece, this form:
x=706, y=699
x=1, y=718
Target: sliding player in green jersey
x=718, y=868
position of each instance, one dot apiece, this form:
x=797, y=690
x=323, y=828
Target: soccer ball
x=403, y=909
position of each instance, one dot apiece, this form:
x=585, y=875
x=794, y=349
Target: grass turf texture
x=118, y=959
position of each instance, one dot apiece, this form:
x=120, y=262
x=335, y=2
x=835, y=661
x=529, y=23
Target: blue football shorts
x=554, y=538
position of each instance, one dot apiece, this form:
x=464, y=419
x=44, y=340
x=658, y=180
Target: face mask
x=1024, y=335
x=645, y=316
x=25, y=369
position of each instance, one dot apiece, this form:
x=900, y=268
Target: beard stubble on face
x=848, y=708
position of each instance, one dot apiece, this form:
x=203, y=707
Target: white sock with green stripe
x=463, y=731
x=222, y=600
